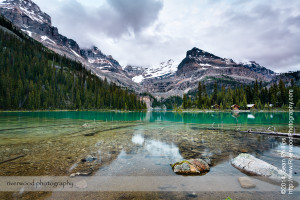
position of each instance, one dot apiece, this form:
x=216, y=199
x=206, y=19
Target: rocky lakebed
x=173, y=151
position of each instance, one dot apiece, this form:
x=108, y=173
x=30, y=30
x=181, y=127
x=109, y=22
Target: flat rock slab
x=253, y=166
x=284, y=154
x=246, y=182
x=191, y=167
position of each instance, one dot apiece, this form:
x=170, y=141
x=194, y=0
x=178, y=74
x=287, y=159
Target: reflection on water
x=250, y=116
x=138, y=139
x=161, y=149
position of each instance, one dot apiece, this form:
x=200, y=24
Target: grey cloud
x=293, y=21
x=262, y=34
x=135, y=15
x=116, y=18
x=267, y=32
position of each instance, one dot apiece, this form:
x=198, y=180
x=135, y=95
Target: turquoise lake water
x=137, y=143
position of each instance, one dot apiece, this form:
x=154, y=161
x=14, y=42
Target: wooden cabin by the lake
x=251, y=106
x=235, y=107
x=216, y=106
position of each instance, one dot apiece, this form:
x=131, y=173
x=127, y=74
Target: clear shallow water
x=134, y=144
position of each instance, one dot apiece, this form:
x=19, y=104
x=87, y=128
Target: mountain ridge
x=37, y=24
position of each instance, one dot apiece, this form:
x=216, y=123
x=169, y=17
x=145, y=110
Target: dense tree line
x=33, y=77
x=275, y=96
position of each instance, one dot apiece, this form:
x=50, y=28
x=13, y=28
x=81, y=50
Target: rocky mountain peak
x=254, y=66
x=199, y=59
x=168, y=63
x=104, y=62
x=28, y=10
x=196, y=53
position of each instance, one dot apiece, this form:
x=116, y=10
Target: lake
x=138, y=147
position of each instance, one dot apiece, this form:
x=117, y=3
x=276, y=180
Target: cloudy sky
x=147, y=32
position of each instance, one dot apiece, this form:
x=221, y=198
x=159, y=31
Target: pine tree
x=189, y=103
x=215, y=93
x=244, y=103
x=185, y=103
x=199, y=102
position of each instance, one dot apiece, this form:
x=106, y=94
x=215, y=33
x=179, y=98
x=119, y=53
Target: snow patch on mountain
x=27, y=32
x=32, y=15
x=100, y=61
x=27, y=7
x=138, y=79
x=165, y=69
x=204, y=65
x=75, y=53
x=45, y=38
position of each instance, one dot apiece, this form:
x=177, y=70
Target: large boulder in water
x=253, y=166
x=191, y=167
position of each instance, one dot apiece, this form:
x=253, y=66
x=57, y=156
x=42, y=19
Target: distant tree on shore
x=276, y=96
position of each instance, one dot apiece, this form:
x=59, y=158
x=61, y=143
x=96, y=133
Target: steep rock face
x=134, y=71
x=199, y=65
x=26, y=15
x=24, y=12
x=101, y=61
x=197, y=58
x=253, y=66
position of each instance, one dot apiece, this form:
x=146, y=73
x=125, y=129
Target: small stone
x=208, y=161
x=88, y=159
x=244, y=151
x=192, y=195
x=81, y=184
x=85, y=125
x=246, y=182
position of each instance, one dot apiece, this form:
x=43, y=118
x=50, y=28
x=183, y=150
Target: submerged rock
x=89, y=158
x=191, y=167
x=84, y=173
x=208, y=161
x=81, y=184
x=284, y=154
x=246, y=182
x=254, y=166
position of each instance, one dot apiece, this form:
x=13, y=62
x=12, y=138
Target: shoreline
x=174, y=111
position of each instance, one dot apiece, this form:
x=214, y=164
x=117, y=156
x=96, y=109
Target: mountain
x=167, y=79
x=101, y=61
x=26, y=15
x=199, y=65
x=253, y=66
x=139, y=74
x=34, y=77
